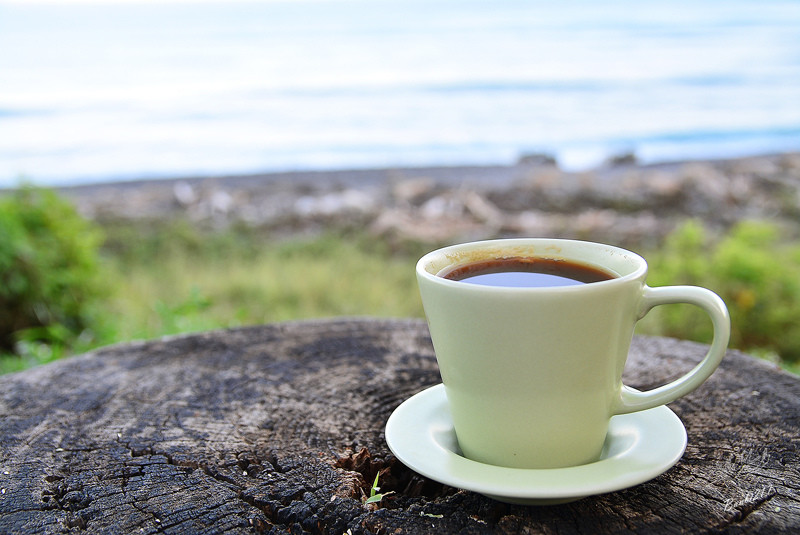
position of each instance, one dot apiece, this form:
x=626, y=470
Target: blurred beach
x=114, y=91
x=624, y=202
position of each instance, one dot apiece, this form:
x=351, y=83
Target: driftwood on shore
x=623, y=202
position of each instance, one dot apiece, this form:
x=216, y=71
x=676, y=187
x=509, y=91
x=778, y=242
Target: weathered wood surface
x=279, y=429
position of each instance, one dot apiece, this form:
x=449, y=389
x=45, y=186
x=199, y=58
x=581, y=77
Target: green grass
x=162, y=278
x=183, y=290
x=171, y=278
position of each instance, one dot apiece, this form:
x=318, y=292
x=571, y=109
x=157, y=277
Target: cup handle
x=631, y=400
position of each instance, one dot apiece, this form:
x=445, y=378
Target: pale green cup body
x=533, y=375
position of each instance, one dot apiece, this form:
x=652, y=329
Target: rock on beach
x=622, y=202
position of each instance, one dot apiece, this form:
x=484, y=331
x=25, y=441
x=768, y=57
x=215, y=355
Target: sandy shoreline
x=624, y=202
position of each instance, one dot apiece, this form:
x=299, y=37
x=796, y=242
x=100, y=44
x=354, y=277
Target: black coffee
x=527, y=272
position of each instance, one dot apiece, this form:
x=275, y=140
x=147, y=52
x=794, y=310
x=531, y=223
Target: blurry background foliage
x=66, y=287
x=50, y=275
x=756, y=272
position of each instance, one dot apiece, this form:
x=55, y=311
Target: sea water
x=116, y=90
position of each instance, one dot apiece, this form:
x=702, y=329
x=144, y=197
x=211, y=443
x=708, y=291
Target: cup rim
x=640, y=271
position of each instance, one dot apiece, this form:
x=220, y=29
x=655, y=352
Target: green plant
x=190, y=315
x=49, y=273
x=374, y=495
x=753, y=268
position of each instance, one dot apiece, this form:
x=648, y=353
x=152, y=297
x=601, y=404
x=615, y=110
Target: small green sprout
x=374, y=495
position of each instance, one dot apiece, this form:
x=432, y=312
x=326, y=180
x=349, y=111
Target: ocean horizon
x=110, y=91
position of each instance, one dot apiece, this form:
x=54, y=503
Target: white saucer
x=639, y=447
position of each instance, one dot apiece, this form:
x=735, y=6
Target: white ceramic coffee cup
x=533, y=375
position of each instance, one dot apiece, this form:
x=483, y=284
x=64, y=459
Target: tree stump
x=279, y=429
